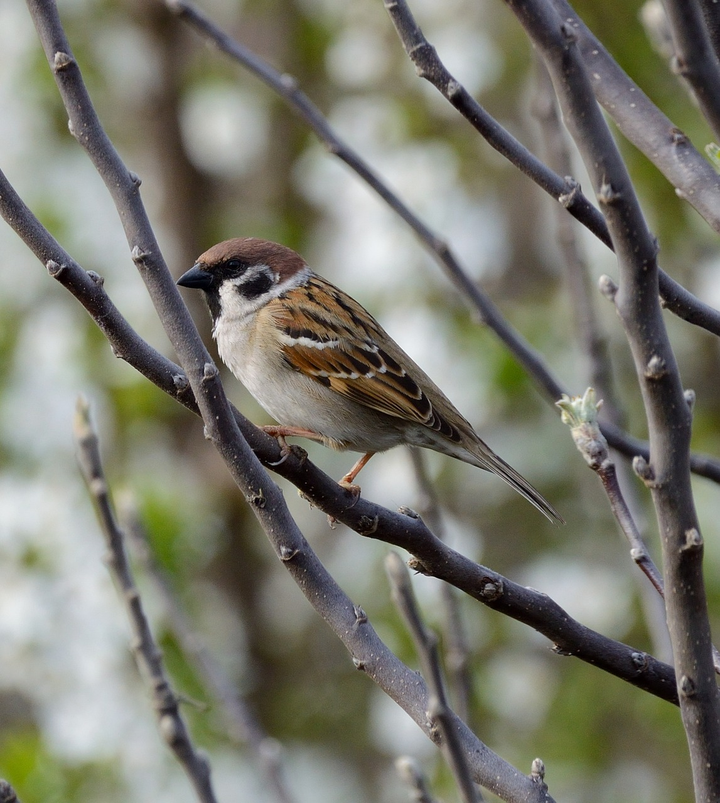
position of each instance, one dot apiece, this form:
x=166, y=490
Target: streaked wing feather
x=351, y=353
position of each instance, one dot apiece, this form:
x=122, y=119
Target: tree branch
x=439, y=713
x=147, y=654
x=244, y=725
x=695, y=58
x=643, y=124
x=669, y=419
x=364, y=517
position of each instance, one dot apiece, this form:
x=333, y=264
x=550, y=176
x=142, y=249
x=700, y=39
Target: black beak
x=196, y=277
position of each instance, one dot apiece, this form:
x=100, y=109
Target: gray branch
x=147, y=653
x=669, y=418
x=695, y=57
x=440, y=715
x=244, y=725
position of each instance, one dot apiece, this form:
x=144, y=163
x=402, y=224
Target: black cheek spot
x=257, y=286
x=213, y=301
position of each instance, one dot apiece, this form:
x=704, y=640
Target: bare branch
x=426, y=644
x=457, y=653
x=7, y=793
x=711, y=12
x=147, y=654
x=695, y=58
x=643, y=124
x=409, y=771
x=244, y=725
x=669, y=418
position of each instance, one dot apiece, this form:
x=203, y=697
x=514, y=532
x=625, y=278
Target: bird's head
x=241, y=275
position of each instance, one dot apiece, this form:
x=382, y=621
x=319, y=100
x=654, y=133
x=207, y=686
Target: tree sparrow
x=323, y=367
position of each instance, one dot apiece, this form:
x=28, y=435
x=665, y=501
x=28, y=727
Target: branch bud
x=580, y=414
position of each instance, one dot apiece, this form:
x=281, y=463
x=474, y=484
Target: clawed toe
x=348, y=485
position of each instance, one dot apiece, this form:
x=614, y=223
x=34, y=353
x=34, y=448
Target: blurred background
x=221, y=156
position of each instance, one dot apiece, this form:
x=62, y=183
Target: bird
x=322, y=366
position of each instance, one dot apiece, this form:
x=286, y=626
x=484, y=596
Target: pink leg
x=347, y=480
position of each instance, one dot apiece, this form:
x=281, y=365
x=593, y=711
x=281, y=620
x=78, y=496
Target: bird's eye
x=235, y=265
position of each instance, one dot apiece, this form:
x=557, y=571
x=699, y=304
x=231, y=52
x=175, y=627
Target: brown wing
x=349, y=352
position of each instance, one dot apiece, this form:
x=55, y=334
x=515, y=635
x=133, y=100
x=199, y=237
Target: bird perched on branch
x=323, y=367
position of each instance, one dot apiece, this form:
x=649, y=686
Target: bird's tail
x=487, y=459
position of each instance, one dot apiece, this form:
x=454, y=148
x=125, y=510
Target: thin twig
x=580, y=414
x=695, y=58
x=147, y=654
x=592, y=340
x=7, y=793
x=410, y=772
x=457, y=652
x=426, y=645
x=244, y=725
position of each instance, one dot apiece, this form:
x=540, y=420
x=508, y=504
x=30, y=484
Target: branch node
x=367, y=525
x=580, y=414
x=491, y=589
x=607, y=287
x=638, y=553
x=61, y=61
x=643, y=469
x=139, y=255
x=558, y=650
x=170, y=730
x=180, y=381
x=689, y=395
x=360, y=616
x=687, y=686
x=210, y=372
x=678, y=137
x=693, y=541
x=417, y=566
x=453, y=89
x=133, y=176
x=359, y=664
x=54, y=268
x=289, y=82
x=408, y=511
x=96, y=277
x=257, y=499
x=537, y=770
x=568, y=32
x=607, y=195
x=288, y=553
x=656, y=367
x=567, y=198
x=641, y=661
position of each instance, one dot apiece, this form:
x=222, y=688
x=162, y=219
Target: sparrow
x=324, y=368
